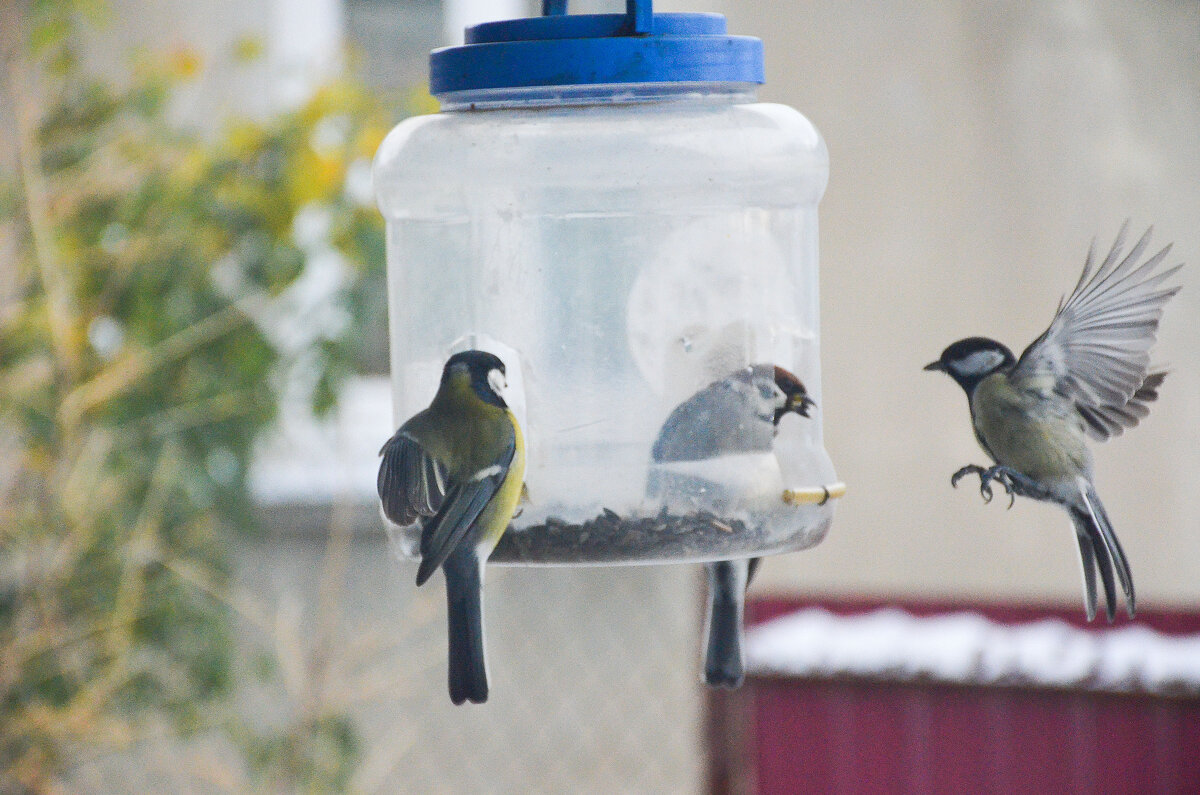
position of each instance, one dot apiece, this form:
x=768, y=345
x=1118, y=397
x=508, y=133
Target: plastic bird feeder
x=602, y=203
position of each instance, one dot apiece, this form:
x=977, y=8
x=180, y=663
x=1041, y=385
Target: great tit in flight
x=737, y=415
x=1086, y=376
x=458, y=467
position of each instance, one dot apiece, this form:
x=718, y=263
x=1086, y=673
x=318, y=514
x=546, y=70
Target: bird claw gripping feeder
x=602, y=203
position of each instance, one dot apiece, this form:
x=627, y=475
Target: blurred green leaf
x=48, y=33
x=248, y=49
x=135, y=379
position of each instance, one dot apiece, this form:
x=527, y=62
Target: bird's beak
x=935, y=367
x=801, y=404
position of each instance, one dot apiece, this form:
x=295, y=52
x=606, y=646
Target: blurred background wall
x=977, y=148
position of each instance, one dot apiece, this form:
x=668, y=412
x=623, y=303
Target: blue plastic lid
x=559, y=49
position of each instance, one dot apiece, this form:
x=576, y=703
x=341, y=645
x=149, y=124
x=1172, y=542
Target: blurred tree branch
x=139, y=361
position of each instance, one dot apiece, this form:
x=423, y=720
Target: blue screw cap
x=560, y=49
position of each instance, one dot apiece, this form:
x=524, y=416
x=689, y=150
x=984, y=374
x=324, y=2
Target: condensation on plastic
x=620, y=249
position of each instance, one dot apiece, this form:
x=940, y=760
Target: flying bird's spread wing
x=1105, y=422
x=411, y=483
x=1096, y=350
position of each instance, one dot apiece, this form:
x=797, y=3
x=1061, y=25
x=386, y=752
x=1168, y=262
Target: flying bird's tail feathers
x=1100, y=550
x=1087, y=556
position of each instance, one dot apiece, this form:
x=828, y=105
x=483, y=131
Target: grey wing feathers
x=718, y=420
x=691, y=431
x=1096, y=350
x=462, y=507
x=1105, y=422
x=411, y=482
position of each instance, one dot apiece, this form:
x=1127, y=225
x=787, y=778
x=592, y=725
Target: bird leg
x=1015, y=484
x=1022, y=485
x=1000, y=474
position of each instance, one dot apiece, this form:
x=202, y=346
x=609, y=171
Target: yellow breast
x=1040, y=437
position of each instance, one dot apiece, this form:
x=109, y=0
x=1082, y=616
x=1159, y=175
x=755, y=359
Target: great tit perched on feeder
x=458, y=468
x=736, y=416
x=1087, y=375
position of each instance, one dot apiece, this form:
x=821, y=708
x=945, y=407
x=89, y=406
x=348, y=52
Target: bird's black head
x=971, y=360
x=486, y=371
x=795, y=395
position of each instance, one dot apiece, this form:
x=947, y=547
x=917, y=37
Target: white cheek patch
x=977, y=363
x=497, y=382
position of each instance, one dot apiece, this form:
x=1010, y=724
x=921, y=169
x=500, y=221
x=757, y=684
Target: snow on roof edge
x=967, y=648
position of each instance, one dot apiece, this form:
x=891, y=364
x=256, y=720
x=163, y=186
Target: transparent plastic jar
x=621, y=247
